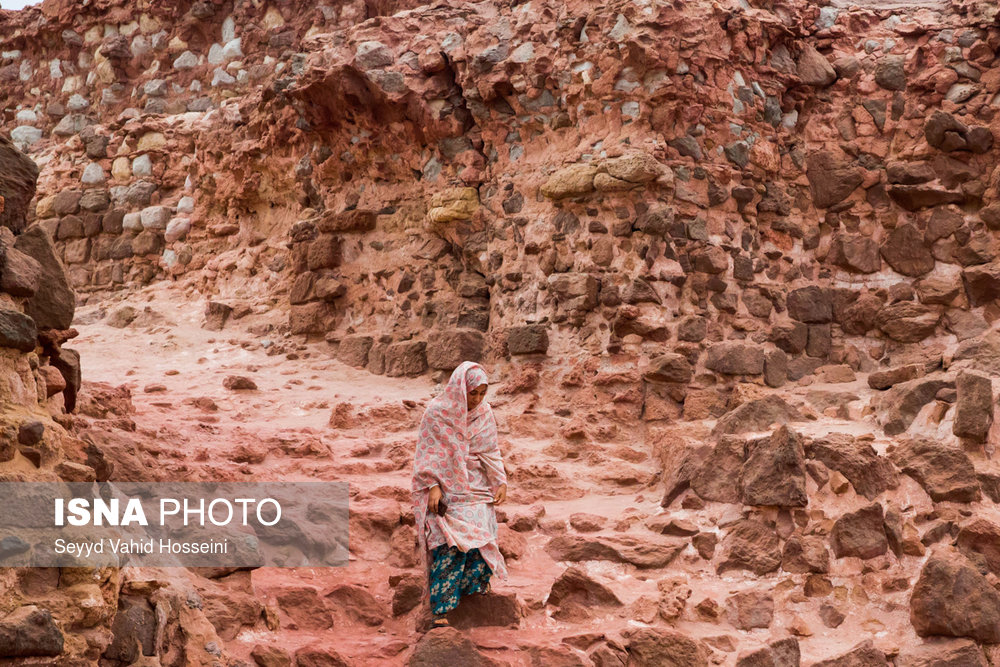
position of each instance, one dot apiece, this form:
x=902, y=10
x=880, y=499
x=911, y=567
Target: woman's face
x=475, y=396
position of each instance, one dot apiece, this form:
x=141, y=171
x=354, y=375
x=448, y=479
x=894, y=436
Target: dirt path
x=175, y=368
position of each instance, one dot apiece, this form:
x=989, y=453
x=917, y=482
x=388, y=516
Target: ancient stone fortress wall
x=752, y=191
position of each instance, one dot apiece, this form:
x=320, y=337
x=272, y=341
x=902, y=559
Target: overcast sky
x=18, y=4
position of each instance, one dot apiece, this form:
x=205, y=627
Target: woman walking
x=458, y=476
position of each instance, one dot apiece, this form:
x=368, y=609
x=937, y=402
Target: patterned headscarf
x=474, y=377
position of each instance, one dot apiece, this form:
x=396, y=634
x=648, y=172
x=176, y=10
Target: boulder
x=774, y=472
x=943, y=653
x=653, y=647
x=574, y=291
x=646, y=552
x=860, y=534
x=750, y=545
x=814, y=69
x=528, y=339
x=854, y=253
x=353, y=350
x=718, y=478
x=869, y=473
x=670, y=368
x=574, y=586
x=29, y=631
x=952, y=599
x=406, y=357
x=916, y=197
x=735, y=358
x=356, y=220
x=447, y=646
x=943, y=469
x=447, y=349
x=982, y=283
x=973, y=406
x=944, y=131
x=17, y=330
x=812, y=305
x=862, y=655
x=898, y=407
x=782, y=653
x=757, y=415
x=750, y=609
x=572, y=181
x=890, y=73
x=832, y=177
x=905, y=252
x=907, y=322
x=53, y=304
x=790, y=336
x=20, y=274
x=883, y=380
x=805, y=554
x=18, y=174
x=979, y=540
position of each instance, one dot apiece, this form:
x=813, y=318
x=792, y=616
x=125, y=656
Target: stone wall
x=761, y=192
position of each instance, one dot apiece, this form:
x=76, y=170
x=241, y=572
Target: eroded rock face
x=953, y=599
x=942, y=469
x=637, y=220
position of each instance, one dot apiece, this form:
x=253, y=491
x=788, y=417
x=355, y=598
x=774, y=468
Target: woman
x=458, y=470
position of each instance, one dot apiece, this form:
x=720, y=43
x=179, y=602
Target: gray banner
x=163, y=524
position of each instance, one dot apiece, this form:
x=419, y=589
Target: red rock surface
x=732, y=267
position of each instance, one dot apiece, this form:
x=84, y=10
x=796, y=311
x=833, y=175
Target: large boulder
x=574, y=291
x=973, y=406
x=54, y=302
x=653, y=647
x=904, y=251
x=982, y=283
x=862, y=655
x=649, y=551
x=774, y=472
x=812, y=305
x=908, y=322
x=750, y=545
x=860, y=534
x=19, y=273
x=832, y=177
x=951, y=598
x=782, y=653
x=857, y=254
x=528, y=339
x=943, y=469
x=718, y=478
x=946, y=653
x=757, y=415
x=447, y=646
x=735, y=358
x=869, y=473
x=574, y=586
x=898, y=407
x=18, y=174
x=406, y=357
x=17, y=330
x=29, y=631
x=447, y=349
x=814, y=69
x=979, y=540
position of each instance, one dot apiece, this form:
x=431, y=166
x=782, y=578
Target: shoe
x=440, y=622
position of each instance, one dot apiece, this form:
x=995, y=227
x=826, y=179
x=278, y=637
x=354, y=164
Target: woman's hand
x=433, y=498
x=501, y=494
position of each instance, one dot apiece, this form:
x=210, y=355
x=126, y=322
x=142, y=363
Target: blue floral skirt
x=454, y=574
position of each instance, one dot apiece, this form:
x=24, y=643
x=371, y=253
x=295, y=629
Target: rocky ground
x=733, y=266
x=599, y=567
